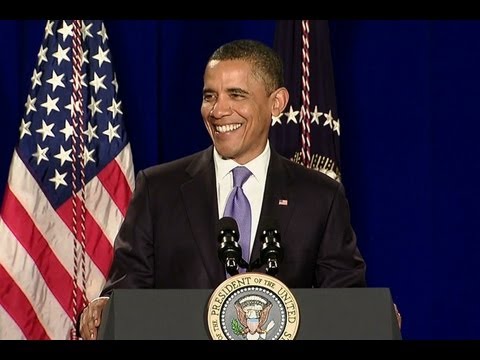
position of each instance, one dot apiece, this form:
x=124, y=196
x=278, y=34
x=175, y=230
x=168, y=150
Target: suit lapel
x=200, y=200
x=278, y=199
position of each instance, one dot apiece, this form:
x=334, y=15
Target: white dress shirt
x=253, y=188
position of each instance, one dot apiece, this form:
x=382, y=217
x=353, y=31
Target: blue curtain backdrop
x=407, y=97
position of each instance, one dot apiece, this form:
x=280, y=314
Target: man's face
x=236, y=110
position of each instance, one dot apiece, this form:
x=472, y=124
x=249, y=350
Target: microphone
x=271, y=253
x=229, y=251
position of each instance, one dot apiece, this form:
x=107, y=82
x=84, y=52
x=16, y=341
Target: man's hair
x=266, y=64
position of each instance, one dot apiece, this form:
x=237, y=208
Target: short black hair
x=266, y=63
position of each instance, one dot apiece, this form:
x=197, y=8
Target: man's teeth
x=227, y=128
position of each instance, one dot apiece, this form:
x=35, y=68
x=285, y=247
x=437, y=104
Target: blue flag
x=308, y=131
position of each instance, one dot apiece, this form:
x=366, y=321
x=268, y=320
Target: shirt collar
x=258, y=166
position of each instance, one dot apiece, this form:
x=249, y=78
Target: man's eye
x=207, y=97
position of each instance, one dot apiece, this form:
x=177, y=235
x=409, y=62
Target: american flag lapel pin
x=283, y=202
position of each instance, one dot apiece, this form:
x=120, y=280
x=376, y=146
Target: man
x=168, y=238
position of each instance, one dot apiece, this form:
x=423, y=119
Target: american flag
x=70, y=181
x=308, y=131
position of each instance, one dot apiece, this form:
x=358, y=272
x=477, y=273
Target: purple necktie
x=238, y=207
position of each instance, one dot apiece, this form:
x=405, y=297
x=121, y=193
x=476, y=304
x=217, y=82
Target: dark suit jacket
x=168, y=238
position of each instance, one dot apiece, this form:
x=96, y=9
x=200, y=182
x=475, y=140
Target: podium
x=176, y=314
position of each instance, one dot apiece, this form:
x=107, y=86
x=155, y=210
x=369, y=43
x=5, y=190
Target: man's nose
x=221, y=108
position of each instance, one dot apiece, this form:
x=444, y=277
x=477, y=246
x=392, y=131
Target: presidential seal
x=252, y=306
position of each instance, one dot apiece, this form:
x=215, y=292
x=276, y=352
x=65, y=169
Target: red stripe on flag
x=55, y=275
x=114, y=181
x=98, y=247
x=19, y=308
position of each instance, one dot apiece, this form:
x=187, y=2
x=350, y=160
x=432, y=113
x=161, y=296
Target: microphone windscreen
x=227, y=224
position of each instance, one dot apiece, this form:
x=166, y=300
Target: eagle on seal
x=252, y=313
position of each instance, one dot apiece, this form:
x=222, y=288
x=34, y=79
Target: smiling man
x=240, y=96
x=169, y=239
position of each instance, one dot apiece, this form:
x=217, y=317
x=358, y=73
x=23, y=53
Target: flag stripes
x=17, y=309
x=48, y=260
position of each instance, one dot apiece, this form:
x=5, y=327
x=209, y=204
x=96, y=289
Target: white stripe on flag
x=103, y=209
x=125, y=162
x=18, y=263
x=9, y=329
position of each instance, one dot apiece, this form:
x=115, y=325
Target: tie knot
x=240, y=175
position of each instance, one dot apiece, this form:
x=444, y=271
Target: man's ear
x=280, y=100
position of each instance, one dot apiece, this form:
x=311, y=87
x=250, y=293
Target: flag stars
x=48, y=29
x=94, y=106
x=71, y=106
x=50, y=104
x=336, y=126
x=58, y=179
x=42, y=55
x=292, y=115
x=329, y=119
x=102, y=56
x=115, y=83
x=276, y=119
x=67, y=131
x=30, y=104
x=97, y=82
x=86, y=30
x=316, y=115
x=46, y=130
x=63, y=155
x=66, y=30
x=61, y=54
x=91, y=132
x=25, y=128
x=41, y=154
x=115, y=108
x=103, y=33
x=84, y=84
x=36, y=78
x=87, y=156
x=84, y=59
x=56, y=80
x=111, y=132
